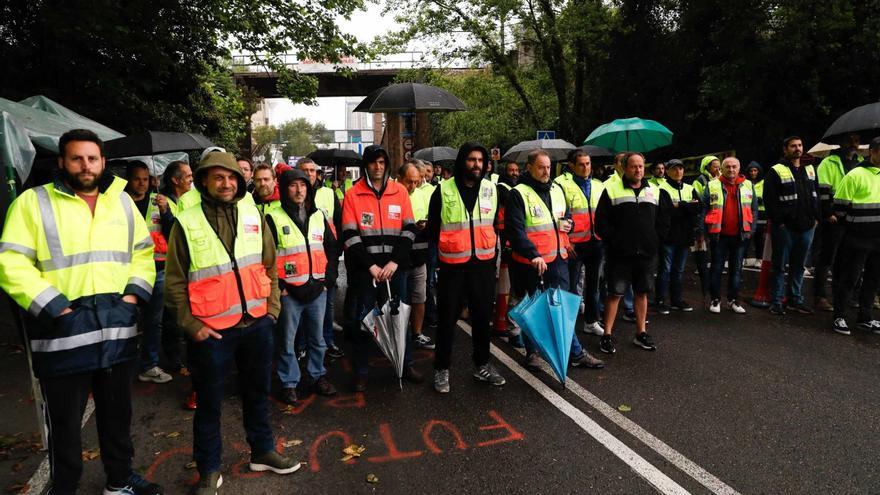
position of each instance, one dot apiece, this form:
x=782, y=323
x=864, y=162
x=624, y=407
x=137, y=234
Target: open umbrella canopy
x=335, y=156
x=596, y=151
x=863, y=120
x=388, y=326
x=437, y=154
x=155, y=143
x=633, y=134
x=410, y=97
x=557, y=149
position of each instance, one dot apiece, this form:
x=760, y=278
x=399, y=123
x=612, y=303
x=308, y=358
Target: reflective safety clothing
x=583, y=212
x=377, y=229
x=153, y=217
x=420, y=199
x=685, y=194
x=55, y=254
x=264, y=208
x=857, y=201
x=501, y=207
x=299, y=256
x=541, y=225
x=325, y=201
x=340, y=191
x=787, y=188
x=715, y=213
x=759, y=192
x=466, y=234
x=222, y=286
x=829, y=174
x=493, y=178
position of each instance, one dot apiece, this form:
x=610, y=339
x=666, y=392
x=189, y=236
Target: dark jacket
x=515, y=216
x=468, y=196
x=684, y=220
x=805, y=212
x=308, y=291
x=633, y=229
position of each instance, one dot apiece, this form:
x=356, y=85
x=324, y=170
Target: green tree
x=297, y=137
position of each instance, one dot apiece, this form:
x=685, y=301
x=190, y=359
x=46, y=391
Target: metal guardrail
x=395, y=61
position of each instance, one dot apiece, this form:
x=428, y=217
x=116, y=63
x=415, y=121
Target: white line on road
x=40, y=478
x=689, y=467
x=642, y=467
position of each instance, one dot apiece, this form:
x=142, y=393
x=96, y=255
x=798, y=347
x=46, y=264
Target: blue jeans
x=360, y=298
x=670, y=271
x=628, y=299
x=729, y=248
x=251, y=350
x=309, y=317
x=555, y=276
x=789, y=247
x=329, y=310
x=152, y=334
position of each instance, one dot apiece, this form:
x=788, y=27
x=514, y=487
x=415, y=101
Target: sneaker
x=422, y=341
x=594, y=328
x=335, y=351
x=777, y=309
x=300, y=354
x=360, y=382
x=682, y=306
x=412, y=375
x=645, y=341
x=288, y=396
x=735, y=307
x=322, y=386
x=533, y=362
x=585, y=360
x=191, y=402
x=441, y=381
x=275, y=462
x=134, y=485
x=840, y=326
x=606, y=344
x=715, y=306
x=662, y=308
x=155, y=375
x=629, y=316
x=800, y=307
x=488, y=373
x=515, y=341
x=822, y=304
x=209, y=484
x=870, y=325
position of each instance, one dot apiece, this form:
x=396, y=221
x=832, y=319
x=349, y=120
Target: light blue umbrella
x=633, y=134
x=548, y=319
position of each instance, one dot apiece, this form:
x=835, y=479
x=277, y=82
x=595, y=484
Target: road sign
x=407, y=144
x=546, y=135
x=496, y=154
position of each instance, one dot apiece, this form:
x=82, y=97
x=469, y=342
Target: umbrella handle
x=387, y=285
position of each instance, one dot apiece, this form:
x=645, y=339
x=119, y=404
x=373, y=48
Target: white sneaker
x=715, y=306
x=749, y=263
x=841, y=327
x=594, y=328
x=155, y=375
x=735, y=307
x=441, y=381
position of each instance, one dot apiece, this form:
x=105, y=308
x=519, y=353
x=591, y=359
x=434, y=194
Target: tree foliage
x=297, y=137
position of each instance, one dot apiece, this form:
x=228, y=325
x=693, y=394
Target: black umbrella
x=154, y=143
x=334, y=156
x=596, y=151
x=556, y=148
x=436, y=155
x=410, y=97
x=863, y=120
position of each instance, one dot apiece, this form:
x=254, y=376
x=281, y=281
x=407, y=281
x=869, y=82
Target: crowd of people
x=243, y=261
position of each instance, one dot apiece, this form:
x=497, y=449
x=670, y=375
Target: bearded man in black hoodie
x=461, y=220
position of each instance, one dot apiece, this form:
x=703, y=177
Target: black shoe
x=532, y=362
x=606, y=344
x=288, y=396
x=662, y=308
x=134, y=485
x=585, y=360
x=412, y=375
x=629, y=316
x=300, y=354
x=841, y=327
x=645, y=341
x=777, y=309
x=335, y=352
x=682, y=306
x=360, y=382
x=800, y=307
x=322, y=386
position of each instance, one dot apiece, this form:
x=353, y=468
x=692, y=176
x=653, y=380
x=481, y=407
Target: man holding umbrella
x=537, y=222
x=461, y=220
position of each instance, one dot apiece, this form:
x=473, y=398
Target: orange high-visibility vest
x=217, y=283
x=542, y=226
x=458, y=227
x=716, y=206
x=297, y=257
x=583, y=212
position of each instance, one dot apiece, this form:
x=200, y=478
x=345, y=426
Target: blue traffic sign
x=546, y=134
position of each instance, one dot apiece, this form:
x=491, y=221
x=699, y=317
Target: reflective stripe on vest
x=858, y=198
x=379, y=221
x=717, y=195
x=464, y=234
x=583, y=212
x=325, y=201
x=787, y=187
x=216, y=283
x=296, y=258
x=153, y=218
x=542, y=226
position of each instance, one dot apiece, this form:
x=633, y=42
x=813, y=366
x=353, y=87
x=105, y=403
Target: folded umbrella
x=388, y=326
x=549, y=323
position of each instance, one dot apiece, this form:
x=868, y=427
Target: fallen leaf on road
x=90, y=455
x=173, y=434
x=624, y=408
x=291, y=443
x=158, y=434
x=184, y=371
x=347, y=458
x=18, y=488
x=372, y=478
x=289, y=410
x=190, y=465
x=354, y=450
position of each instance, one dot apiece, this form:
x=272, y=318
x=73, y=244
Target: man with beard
x=247, y=169
x=265, y=193
x=755, y=174
x=507, y=179
x=410, y=175
x=791, y=197
x=78, y=259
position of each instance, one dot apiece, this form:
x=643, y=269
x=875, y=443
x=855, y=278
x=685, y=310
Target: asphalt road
x=728, y=404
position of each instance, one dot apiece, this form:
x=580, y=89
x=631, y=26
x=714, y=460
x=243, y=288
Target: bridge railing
x=395, y=61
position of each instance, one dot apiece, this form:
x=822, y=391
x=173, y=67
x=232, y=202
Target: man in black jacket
x=632, y=219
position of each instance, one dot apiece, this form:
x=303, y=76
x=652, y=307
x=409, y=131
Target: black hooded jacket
x=468, y=196
x=310, y=290
x=515, y=216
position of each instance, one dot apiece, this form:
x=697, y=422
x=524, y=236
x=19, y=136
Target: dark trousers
x=758, y=240
x=669, y=272
x=729, y=248
x=830, y=238
x=701, y=258
x=251, y=349
x=66, y=398
x=860, y=254
x=360, y=298
x=455, y=286
x=589, y=259
x=431, y=286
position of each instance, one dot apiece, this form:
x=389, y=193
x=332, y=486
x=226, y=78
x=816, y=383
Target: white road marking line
x=637, y=463
x=40, y=478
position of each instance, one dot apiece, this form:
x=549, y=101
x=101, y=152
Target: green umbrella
x=633, y=134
